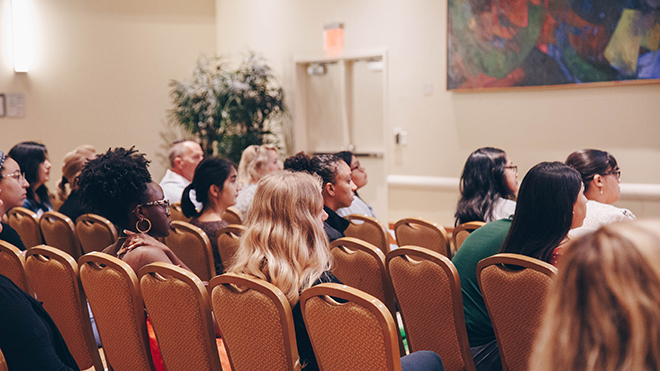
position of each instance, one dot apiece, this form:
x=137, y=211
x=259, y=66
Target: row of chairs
x=426, y=288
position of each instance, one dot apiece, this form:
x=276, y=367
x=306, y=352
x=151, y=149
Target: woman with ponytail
x=216, y=188
x=74, y=162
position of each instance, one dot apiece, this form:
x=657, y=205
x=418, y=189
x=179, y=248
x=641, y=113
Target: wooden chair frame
x=234, y=230
x=353, y=230
x=177, y=213
x=469, y=227
x=205, y=271
x=18, y=259
x=328, y=291
x=87, y=219
x=44, y=253
x=233, y=216
x=100, y=261
x=418, y=223
x=412, y=253
x=278, y=299
x=48, y=222
x=14, y=216
x=166, y=271
x=511, y=260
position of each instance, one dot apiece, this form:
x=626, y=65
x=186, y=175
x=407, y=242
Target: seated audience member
x=603, y=310
x=549, y=203
x=284, y=244
x=30, y=339
x=73, y=164
x=216, y=188
x=359, y=175
x=32, y=157
x=184, y=156
x=117, y=185
x=338, y=187
x=601, y=177
x=489, y=184
x=13, y=189
x=256, y=162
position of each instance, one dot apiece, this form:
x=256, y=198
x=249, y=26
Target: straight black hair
x=589, y=162
x=210, y=171
x=483, y=181
x=29, y=155
x=544, y=211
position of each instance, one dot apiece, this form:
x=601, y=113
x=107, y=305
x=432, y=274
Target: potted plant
x=229, y=109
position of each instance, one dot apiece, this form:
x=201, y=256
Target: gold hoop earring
x=137, y=225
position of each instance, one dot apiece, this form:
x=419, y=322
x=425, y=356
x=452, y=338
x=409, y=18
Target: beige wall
x=101, y=72
x=444, y=127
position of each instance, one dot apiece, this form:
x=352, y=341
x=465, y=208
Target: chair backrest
x=514, y=288
x=428, y=291
x=176, y=213
x=256, y=323
x=59, y=231
x=193, y=247
x=53, y=277
x=113, y=292
x=361, y=265
x=95, y=232
x=228, y=241
x=232, y=216
x=422, y=233
x=368, y=229
x=179, y=308
x=26, y=224
x=12, y=265
x=462, y=231
x=358, y=334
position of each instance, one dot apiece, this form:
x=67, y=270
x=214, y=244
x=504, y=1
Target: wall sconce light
x=23, y=35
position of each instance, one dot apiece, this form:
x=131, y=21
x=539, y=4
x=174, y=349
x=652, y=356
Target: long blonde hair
x=253, y=159
x=285, y=243
x=603, y=311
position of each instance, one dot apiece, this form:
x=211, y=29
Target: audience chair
x=368, y=229
x=228, y=241
x=428, y=291
x=26, y=224
x=95, y=232
x=12, y=265
x=60, y=232
x=177, y=214
x=193, y=247
x=233, y=216
x=113, y=293
x=179, y=308
x=422, y=233
x=357, y=334
x=461, y=232
x=53, y=277
x=514, y=288
x=256, y=323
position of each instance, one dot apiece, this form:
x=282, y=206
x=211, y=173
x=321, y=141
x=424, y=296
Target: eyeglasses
x=616, y=172
x=513, y=167
x=19, y=177
x=164, y=203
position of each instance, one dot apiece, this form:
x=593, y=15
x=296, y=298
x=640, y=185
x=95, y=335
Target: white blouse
x=599, y=214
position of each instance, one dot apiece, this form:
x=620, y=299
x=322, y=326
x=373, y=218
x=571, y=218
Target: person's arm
x=156, y=252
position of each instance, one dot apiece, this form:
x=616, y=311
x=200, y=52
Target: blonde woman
x=285, y=244
x=256, y=161
x=603, y=313
x=71, y=168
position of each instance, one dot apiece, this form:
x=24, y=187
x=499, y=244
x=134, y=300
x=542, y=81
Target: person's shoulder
x=606, y=213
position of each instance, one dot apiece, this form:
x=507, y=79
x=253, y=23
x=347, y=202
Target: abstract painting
x=518, y=43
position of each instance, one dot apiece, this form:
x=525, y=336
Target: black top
x=73, y=206
x=305, y=350
x=8, y=234
x=335, y=225
x=29, y=338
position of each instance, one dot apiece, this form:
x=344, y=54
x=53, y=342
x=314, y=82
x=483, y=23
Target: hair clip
x=2, y=159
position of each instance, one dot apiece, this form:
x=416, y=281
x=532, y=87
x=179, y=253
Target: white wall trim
x=629, y=191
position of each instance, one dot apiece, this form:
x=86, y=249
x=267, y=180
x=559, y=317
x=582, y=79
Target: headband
x=2, y=159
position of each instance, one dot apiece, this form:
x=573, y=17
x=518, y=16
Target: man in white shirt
x=184, y=156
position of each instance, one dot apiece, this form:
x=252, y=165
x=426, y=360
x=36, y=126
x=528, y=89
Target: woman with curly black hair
x=117, y=185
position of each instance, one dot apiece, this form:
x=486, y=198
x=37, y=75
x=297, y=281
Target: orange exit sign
x=333, y=39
